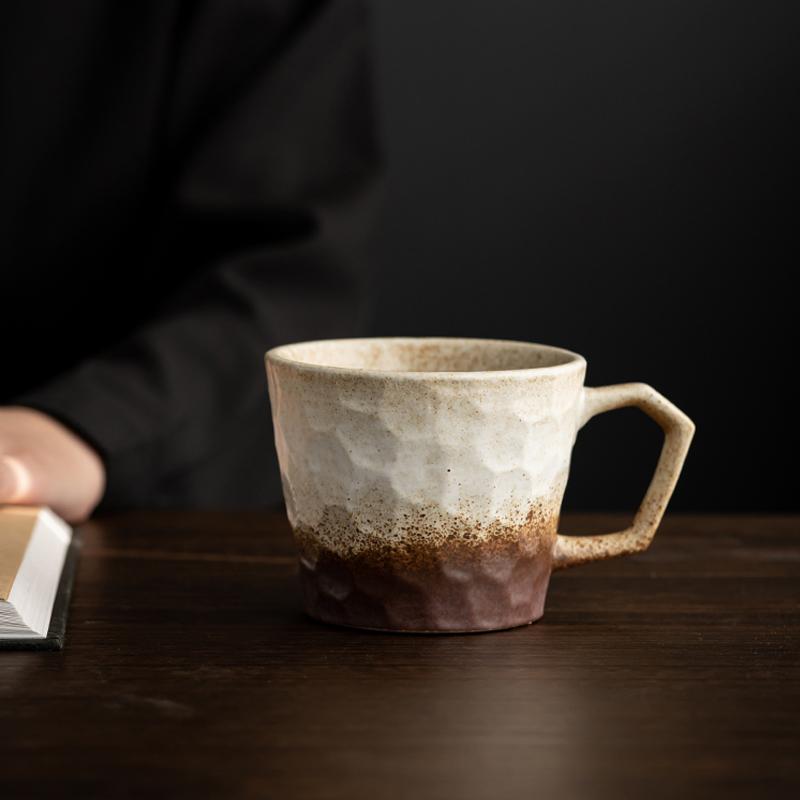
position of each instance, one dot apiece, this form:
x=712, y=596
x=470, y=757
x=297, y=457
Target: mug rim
x=574, y=360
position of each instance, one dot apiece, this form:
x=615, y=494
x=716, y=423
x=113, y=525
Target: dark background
x=616, y=178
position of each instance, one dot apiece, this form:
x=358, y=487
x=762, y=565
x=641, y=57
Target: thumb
x=15, y=480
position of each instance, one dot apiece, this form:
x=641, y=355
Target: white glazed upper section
x=381, y=446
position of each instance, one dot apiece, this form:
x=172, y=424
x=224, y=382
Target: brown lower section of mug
x=457, y=591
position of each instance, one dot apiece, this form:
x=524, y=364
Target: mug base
x=424, y=632
x=458, y=592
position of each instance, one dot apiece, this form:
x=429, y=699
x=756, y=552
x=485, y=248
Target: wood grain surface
x=190, y=671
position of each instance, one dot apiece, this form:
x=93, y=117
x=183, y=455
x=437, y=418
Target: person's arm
x=272, y=182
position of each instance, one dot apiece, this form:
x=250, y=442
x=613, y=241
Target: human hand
x=44, y=463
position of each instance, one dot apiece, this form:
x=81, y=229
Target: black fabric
x=183, y=186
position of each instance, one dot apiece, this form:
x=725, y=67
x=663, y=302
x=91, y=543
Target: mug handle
x=678, y=431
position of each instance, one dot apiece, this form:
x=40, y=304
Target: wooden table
x=190, y=671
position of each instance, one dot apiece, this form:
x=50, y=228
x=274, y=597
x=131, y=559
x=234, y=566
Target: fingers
x=15, y=480
x=44, y=463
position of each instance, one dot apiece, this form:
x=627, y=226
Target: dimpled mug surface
x=423, y=477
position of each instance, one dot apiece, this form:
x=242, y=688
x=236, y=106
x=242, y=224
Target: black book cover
x=58, y=620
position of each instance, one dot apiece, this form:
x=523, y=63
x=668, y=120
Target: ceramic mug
x=423, y=477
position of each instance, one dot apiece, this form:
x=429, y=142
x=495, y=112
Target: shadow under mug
x=423, y=477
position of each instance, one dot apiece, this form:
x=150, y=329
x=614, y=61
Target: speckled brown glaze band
x=423, y=477
x=423, y=581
